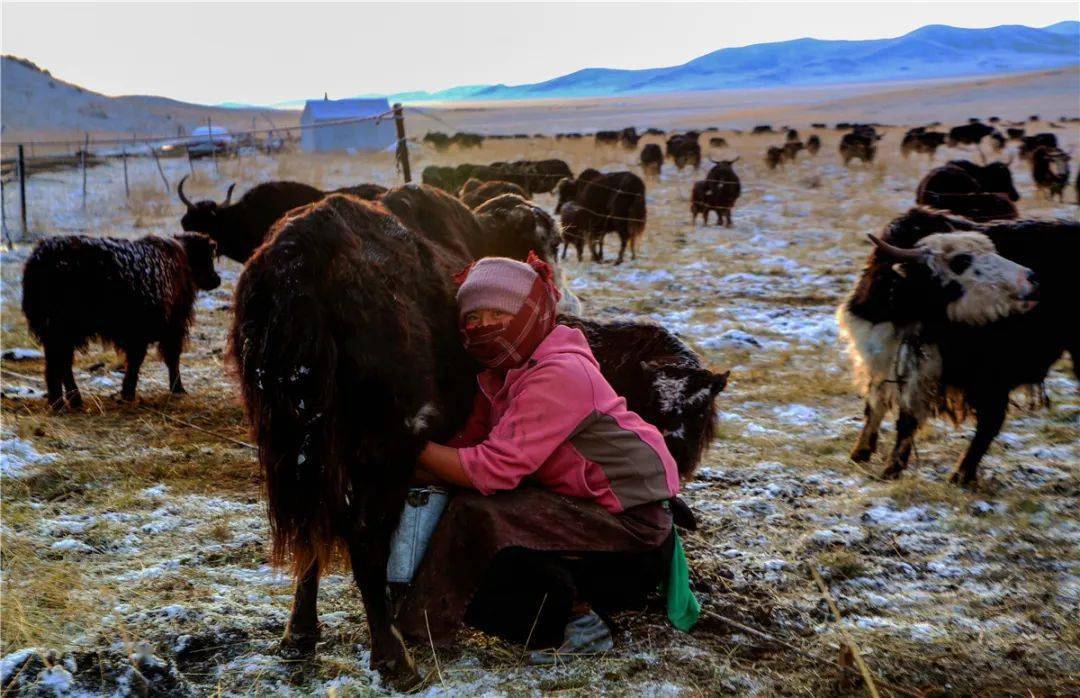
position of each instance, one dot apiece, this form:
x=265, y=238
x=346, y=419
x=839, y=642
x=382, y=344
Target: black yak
x=474, y=192
x=859, y=144
x=950, y=316
x=717, y=192
x=652, y=159
x=612, y=202
x=129, y=293
x=979, y=192
x=241, y=227
x=1050, y=171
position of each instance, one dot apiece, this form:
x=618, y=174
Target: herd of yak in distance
x=344, y=332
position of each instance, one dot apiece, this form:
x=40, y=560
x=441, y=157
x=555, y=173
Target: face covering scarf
x=505, y=346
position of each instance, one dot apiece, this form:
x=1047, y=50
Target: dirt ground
x=135, y=544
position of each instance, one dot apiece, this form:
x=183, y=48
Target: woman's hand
x=443, y=464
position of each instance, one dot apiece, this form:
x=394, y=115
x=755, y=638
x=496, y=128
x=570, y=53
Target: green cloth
x=683, y=608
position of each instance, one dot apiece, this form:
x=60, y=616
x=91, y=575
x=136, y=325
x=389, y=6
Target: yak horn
x=899, y=254
x=180, y=191
x=228, y=194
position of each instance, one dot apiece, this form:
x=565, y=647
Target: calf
x=951, y=315
x=129, y=293
x=662, y=379
x=1050, y=171
x=652, y=159
x=239, y=228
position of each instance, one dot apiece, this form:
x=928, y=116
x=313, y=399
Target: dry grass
x=188, y=559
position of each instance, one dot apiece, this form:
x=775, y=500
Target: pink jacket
x=557, y=422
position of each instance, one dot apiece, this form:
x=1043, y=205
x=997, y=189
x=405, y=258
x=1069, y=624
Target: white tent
x=328, y=124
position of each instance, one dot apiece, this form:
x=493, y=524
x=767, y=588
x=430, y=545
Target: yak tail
x=288, y=365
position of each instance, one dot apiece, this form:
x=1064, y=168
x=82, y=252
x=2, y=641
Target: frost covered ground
x=134, y=548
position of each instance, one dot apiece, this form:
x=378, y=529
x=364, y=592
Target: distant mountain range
x=934, y=51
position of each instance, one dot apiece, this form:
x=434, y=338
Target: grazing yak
x=652, y=160
x=474, y=192
x=791, y=150
x=684, y=149
x=1050, y=171
x=241, y=227
x=762, y=128
x=346, y=343
x=774, y=156
x=717, y=192
x=919, y=140
x=603, y=203
x=129, y=293
x=950, y=316
x=969, y=134
x=438, y=140
x=979, y=192
x=718, y=142
x=813, y=144
x=606, y=138
x=467, y=140
x=859, y=144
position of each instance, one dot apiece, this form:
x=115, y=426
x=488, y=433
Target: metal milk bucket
x=423, y=508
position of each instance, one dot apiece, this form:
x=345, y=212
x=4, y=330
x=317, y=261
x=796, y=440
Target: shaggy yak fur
x=345, y=339
x=978, y=192
x=474, y=192
x=1050, y=171
x=861, y=144
x=684, y=149
x=919, y=140
x=130, y=293
x=241, y=227
x=957, y=318
x=603, y=203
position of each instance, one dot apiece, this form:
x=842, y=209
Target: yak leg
x=74, y=397
x=622, y=248
x=302, y=631
x=906, y=425
x=170, y=353
x=727, y=217
x=989, y=416
x=369, y=552
x=57, y=364
x=874, y=411
x=135, y=354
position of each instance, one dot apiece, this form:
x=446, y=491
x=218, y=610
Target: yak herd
x=345, y=342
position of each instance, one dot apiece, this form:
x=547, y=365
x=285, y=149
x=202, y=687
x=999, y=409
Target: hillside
x=36, y=104
x=934, y=51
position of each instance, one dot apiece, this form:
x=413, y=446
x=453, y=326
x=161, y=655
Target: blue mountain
x=934, y=51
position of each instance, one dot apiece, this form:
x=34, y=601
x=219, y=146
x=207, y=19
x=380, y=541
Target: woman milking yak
x=563, y=513
x=355, y=347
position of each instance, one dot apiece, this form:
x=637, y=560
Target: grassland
x=128, y=535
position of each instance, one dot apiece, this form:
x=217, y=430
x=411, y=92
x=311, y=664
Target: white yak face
x=986, y=285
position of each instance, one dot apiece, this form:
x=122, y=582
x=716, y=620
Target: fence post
x=153, y=151
x=22, y=191
x=123, y=157
x=3, y=217
x=82, y=164
x=402, y=149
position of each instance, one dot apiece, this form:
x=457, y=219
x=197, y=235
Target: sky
x=264, y=53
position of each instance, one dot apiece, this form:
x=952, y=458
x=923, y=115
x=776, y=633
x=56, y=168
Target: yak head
x=975, y=283
x=200, y=251
x=684, y=409
x=997, y=178
x=207, y=217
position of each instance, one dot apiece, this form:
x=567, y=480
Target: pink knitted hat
x=496, y=283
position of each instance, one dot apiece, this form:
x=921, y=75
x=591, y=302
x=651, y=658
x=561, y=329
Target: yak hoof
x=75, y=401
x=178, y=390
x=400, y=673
x=299, y=644
x=964, y=479
x=861, y=454
x=892, y=472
